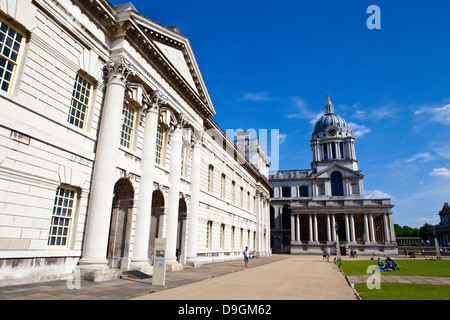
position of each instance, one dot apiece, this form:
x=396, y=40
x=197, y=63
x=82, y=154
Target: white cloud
x=421, y=157
x=358, y=130
x=440, y=172
x=257, y=96
x=376, y=194
x=433, y=220
x=437, y=114
x=302, y=111
x=282, y=137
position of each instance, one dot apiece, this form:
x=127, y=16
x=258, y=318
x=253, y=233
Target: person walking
x=328, y=254
x=246, y=256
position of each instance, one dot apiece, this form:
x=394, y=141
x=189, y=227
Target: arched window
x=337, y=185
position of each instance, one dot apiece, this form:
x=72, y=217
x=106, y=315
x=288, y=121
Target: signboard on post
x=159, y=264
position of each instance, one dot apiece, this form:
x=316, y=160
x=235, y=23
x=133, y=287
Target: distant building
x=308, y=205
x=442, y=229
x=107, y=141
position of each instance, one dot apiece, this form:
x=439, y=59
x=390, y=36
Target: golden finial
x=329, y=106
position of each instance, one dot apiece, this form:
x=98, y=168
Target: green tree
x=423, y=232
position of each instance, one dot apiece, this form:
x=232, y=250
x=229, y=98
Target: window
x=232, y=237
x=126, y=135
x=80, y=102
x=10, y=45
x=242, y=197
x=304, y=191
x=63, y=212
x=233, y=192
x=341, y=149
x=248, y=201
x=337, y=185
x=325, y=151
x=210, y=178
x=222, y=186
x=222, y=236
x=208, y=234
x=241, y=241
x=286, y=192
x=333, y=150
x=160, y=138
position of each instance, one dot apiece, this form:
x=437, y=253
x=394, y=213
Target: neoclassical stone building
x=310, y=208
x=107, y=141
x=442, y=230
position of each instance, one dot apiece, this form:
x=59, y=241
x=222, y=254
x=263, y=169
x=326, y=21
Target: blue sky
x=269, y=64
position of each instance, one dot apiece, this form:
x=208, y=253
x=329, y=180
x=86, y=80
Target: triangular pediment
x=346, y=172
x=173, y=50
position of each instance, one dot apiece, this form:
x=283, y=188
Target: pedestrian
x=246, y=256
x=406, y=253
x=328, y=254
x=423, y=253
x=324, y=254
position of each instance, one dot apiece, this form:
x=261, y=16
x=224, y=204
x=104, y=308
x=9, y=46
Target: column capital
x=198, y=138
x=118, y=71
x=154, y=101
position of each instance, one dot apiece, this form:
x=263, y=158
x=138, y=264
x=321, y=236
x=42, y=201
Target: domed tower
x=332, y=142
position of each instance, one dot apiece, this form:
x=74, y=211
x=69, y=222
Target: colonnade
x=94, y=255
x=104, y=177
x=371, y=232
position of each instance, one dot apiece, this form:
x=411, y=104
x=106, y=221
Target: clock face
x=332, y=132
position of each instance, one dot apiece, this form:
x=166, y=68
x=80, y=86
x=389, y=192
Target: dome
x=330, y=119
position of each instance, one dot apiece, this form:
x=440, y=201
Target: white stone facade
x=311, y=209
x=86, y=90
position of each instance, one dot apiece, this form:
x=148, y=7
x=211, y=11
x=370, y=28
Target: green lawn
x=428, y=268
x=402, y=291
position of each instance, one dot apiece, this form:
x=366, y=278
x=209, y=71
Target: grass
x=427, y=268
x=402, y=291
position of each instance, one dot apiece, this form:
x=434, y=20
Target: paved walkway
x=286, y=278
x=272, y=278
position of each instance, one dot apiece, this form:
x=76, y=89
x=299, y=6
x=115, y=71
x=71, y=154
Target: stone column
x=391, y=227
x=310, y=229
x=197, y=145
x=293, y=228
x=352, y=228
x=144, y=205
x=316, y=230
x=347, y=231
x=298, y=227
x=333, y=229
x=258, y=222
x=174, y=192
x=386, y=228
x=328, y=228
x=366, y=228
x=104, y=174
x=371, y=228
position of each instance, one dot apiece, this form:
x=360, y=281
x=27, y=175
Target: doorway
x=120, y=225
